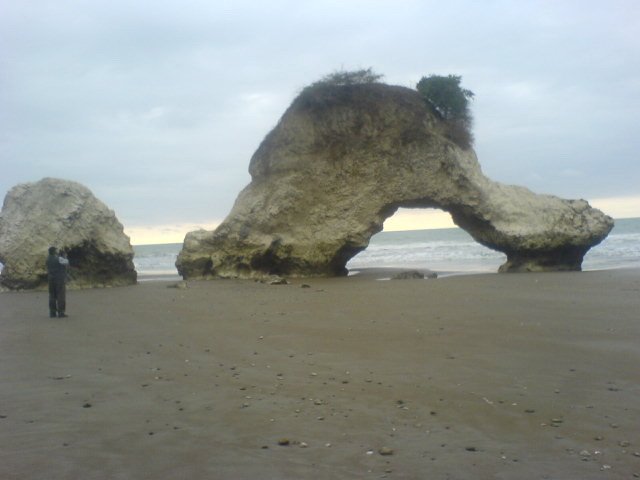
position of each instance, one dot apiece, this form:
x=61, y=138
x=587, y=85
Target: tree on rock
x=451, y=102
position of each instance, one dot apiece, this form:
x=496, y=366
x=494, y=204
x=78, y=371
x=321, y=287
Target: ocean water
x=154, y=260
x=448, y=251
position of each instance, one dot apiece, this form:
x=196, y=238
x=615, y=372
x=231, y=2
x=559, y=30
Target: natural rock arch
x=342, y=159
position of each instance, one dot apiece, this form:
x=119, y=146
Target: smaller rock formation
x=66, y=215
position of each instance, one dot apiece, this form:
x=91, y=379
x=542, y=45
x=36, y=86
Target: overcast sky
x=157, y=106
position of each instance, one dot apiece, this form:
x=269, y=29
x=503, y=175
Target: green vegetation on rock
x=451, y=102
x=349, y=77
x=442, y=94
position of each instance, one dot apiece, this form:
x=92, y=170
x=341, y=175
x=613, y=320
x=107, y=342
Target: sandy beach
x=519, y=376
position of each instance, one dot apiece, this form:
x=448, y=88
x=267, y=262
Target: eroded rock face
x=66, y=215
x=342, y=160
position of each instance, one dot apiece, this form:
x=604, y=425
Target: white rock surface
x=64, y=214
x=342, y=160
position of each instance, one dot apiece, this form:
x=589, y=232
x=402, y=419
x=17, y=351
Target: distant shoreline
x=616, y=220
x=163, y=277
x=387, y=273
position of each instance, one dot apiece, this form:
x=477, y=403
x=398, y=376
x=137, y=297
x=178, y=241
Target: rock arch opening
x=425, y=239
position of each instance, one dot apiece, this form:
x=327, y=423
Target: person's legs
x=61, y=290
x=53, y=300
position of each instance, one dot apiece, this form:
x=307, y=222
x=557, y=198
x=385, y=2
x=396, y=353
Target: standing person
x=57, y=275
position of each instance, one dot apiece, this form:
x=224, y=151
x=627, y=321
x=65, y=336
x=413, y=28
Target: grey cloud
x=158, y=106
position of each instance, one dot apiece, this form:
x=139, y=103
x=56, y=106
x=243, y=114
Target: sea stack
x=64, y=214
x=342, y=159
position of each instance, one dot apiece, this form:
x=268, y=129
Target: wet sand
x=519, y=376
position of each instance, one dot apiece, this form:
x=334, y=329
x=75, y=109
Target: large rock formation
x=64, y=214
x=343, y=159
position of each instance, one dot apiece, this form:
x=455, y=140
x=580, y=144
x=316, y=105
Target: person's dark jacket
x=56, y=270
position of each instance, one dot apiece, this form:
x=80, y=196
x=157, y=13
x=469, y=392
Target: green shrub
x=349, y=77
x=322, y=93
x=451, y=102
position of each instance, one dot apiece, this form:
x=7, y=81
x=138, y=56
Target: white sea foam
x=156, y=259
